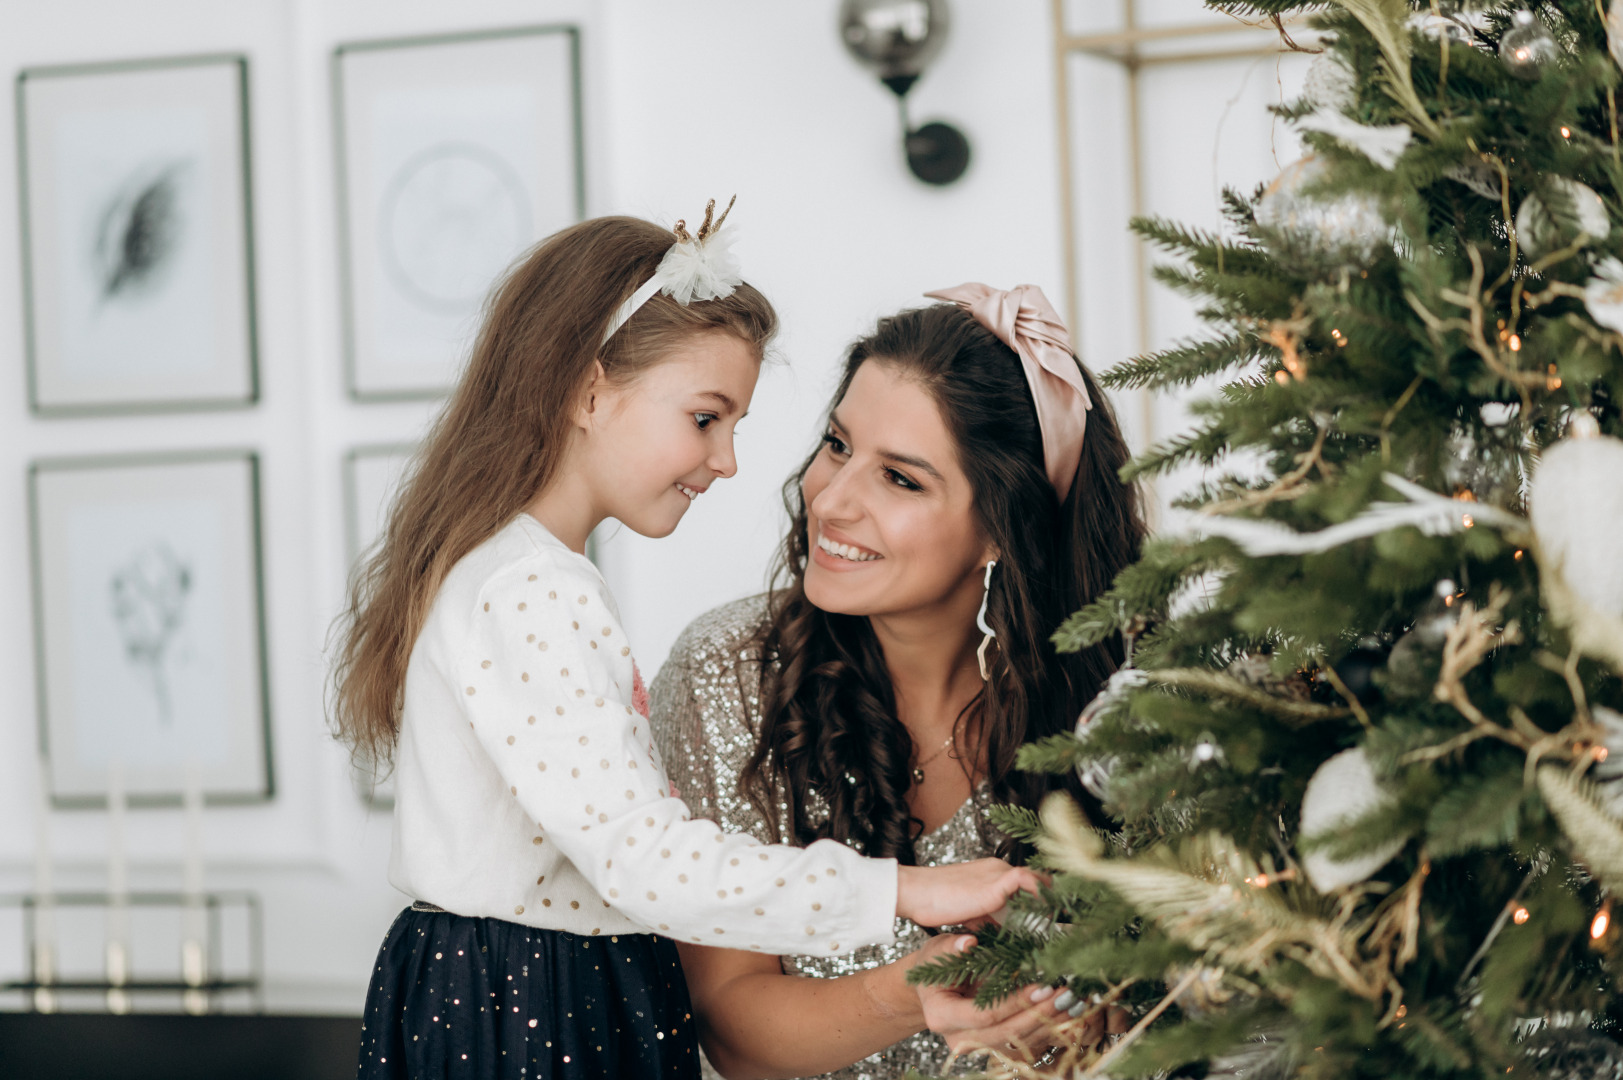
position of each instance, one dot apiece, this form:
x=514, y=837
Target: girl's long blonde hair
x=501, y=437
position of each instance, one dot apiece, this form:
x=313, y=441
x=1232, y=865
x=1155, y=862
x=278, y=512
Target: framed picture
x=455, y=155
x=149, y=625
x=137, y=242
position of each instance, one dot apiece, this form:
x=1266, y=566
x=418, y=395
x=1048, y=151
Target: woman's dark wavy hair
x=829, y=722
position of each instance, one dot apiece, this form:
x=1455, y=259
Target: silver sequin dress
x=705, y=714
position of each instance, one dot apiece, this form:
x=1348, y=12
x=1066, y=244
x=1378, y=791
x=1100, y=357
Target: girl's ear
x=587, y=407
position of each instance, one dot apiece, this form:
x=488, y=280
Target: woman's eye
x=901, y=480
x=704, y=419
x=835, y=444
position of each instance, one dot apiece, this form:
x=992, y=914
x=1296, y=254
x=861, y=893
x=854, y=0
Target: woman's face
x=890, y=521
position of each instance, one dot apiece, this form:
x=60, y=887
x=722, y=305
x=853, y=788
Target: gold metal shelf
x=1126, y=46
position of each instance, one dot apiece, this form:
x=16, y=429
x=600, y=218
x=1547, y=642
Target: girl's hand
x=960, y=893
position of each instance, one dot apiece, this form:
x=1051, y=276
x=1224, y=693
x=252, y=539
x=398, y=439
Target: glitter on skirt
x=456, y=997
x=706, y=711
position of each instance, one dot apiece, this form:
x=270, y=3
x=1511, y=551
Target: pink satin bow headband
x=1026, y=322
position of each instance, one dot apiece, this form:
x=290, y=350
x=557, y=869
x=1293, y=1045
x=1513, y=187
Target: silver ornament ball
x=1346, y=229
x=1527, y=47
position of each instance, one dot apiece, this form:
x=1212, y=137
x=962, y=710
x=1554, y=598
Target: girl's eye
x=901, y=480
x=704, y=419
x=835, y=444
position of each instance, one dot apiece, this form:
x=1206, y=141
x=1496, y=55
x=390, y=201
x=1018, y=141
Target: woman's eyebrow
x=906, y=459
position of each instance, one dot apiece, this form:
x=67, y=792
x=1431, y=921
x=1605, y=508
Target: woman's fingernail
x=1065, y=1000
x=966, y=943
x=1042, y=993
x=1078, y=1009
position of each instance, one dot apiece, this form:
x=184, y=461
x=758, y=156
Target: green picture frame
x=135, y=186
x=150, y=641
x=432, y=133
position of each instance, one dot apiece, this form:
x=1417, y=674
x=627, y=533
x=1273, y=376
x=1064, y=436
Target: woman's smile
x=838, y=555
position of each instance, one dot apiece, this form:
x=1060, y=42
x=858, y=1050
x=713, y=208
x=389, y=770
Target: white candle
x=44, y=891
x=118, y=892
x=193, y=957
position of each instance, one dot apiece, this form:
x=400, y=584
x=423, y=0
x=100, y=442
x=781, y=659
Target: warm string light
x=1519, y=916
x=1552, y=381
x=1518, y=555
x=1515, y=343
x=1463, y=495
x=1566, y=132
x=1602, y=921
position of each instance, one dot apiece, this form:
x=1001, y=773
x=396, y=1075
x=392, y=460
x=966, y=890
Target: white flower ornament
x=699, y=266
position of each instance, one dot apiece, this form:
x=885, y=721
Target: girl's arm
x=541, y=696
x=545, y=685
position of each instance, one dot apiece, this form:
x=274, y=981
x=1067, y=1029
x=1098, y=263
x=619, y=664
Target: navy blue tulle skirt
x=458, y=997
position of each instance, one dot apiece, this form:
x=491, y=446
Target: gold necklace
x=918, y=770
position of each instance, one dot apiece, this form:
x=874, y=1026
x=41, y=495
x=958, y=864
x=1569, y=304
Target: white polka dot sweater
x=528, y=787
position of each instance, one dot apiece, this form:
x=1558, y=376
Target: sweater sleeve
x=540, y=694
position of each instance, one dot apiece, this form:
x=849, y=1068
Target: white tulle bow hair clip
x=699, y=266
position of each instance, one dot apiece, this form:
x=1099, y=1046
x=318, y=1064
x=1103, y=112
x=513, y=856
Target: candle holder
x=199, y=977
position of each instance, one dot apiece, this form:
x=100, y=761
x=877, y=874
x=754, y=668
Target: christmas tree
x=1363, y=768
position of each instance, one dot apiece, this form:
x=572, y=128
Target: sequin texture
x=706, y=712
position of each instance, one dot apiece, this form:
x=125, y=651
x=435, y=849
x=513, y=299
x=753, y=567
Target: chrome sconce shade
x=897, y=40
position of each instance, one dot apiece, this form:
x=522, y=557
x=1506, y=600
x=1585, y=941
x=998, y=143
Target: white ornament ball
x=1331, y=82
x=1347, y=228
x=1537, y=231
x=1342, y=790
x=1603, y=294
x=1576, y=507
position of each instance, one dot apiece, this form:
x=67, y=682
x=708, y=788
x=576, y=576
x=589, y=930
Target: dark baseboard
x=81, y=1046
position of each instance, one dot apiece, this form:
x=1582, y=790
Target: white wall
x=684, y=101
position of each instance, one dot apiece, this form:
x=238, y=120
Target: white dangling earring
x=980, y=622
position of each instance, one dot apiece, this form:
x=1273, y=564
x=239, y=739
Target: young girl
x=534, y=823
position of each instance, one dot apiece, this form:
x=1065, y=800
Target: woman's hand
x=960, y=893
x=1024, y=1024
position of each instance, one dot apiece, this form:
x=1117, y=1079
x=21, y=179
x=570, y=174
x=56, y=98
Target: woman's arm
x=755, y=1022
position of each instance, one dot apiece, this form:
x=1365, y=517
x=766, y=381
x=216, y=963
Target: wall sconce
x=897, y=39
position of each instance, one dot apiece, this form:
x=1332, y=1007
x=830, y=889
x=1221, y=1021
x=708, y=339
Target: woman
x=967, y=481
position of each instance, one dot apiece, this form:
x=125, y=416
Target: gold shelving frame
x=1176, y=44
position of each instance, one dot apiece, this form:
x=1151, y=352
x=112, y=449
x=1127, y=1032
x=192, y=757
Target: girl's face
x=889, y=512
x=659, y=441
